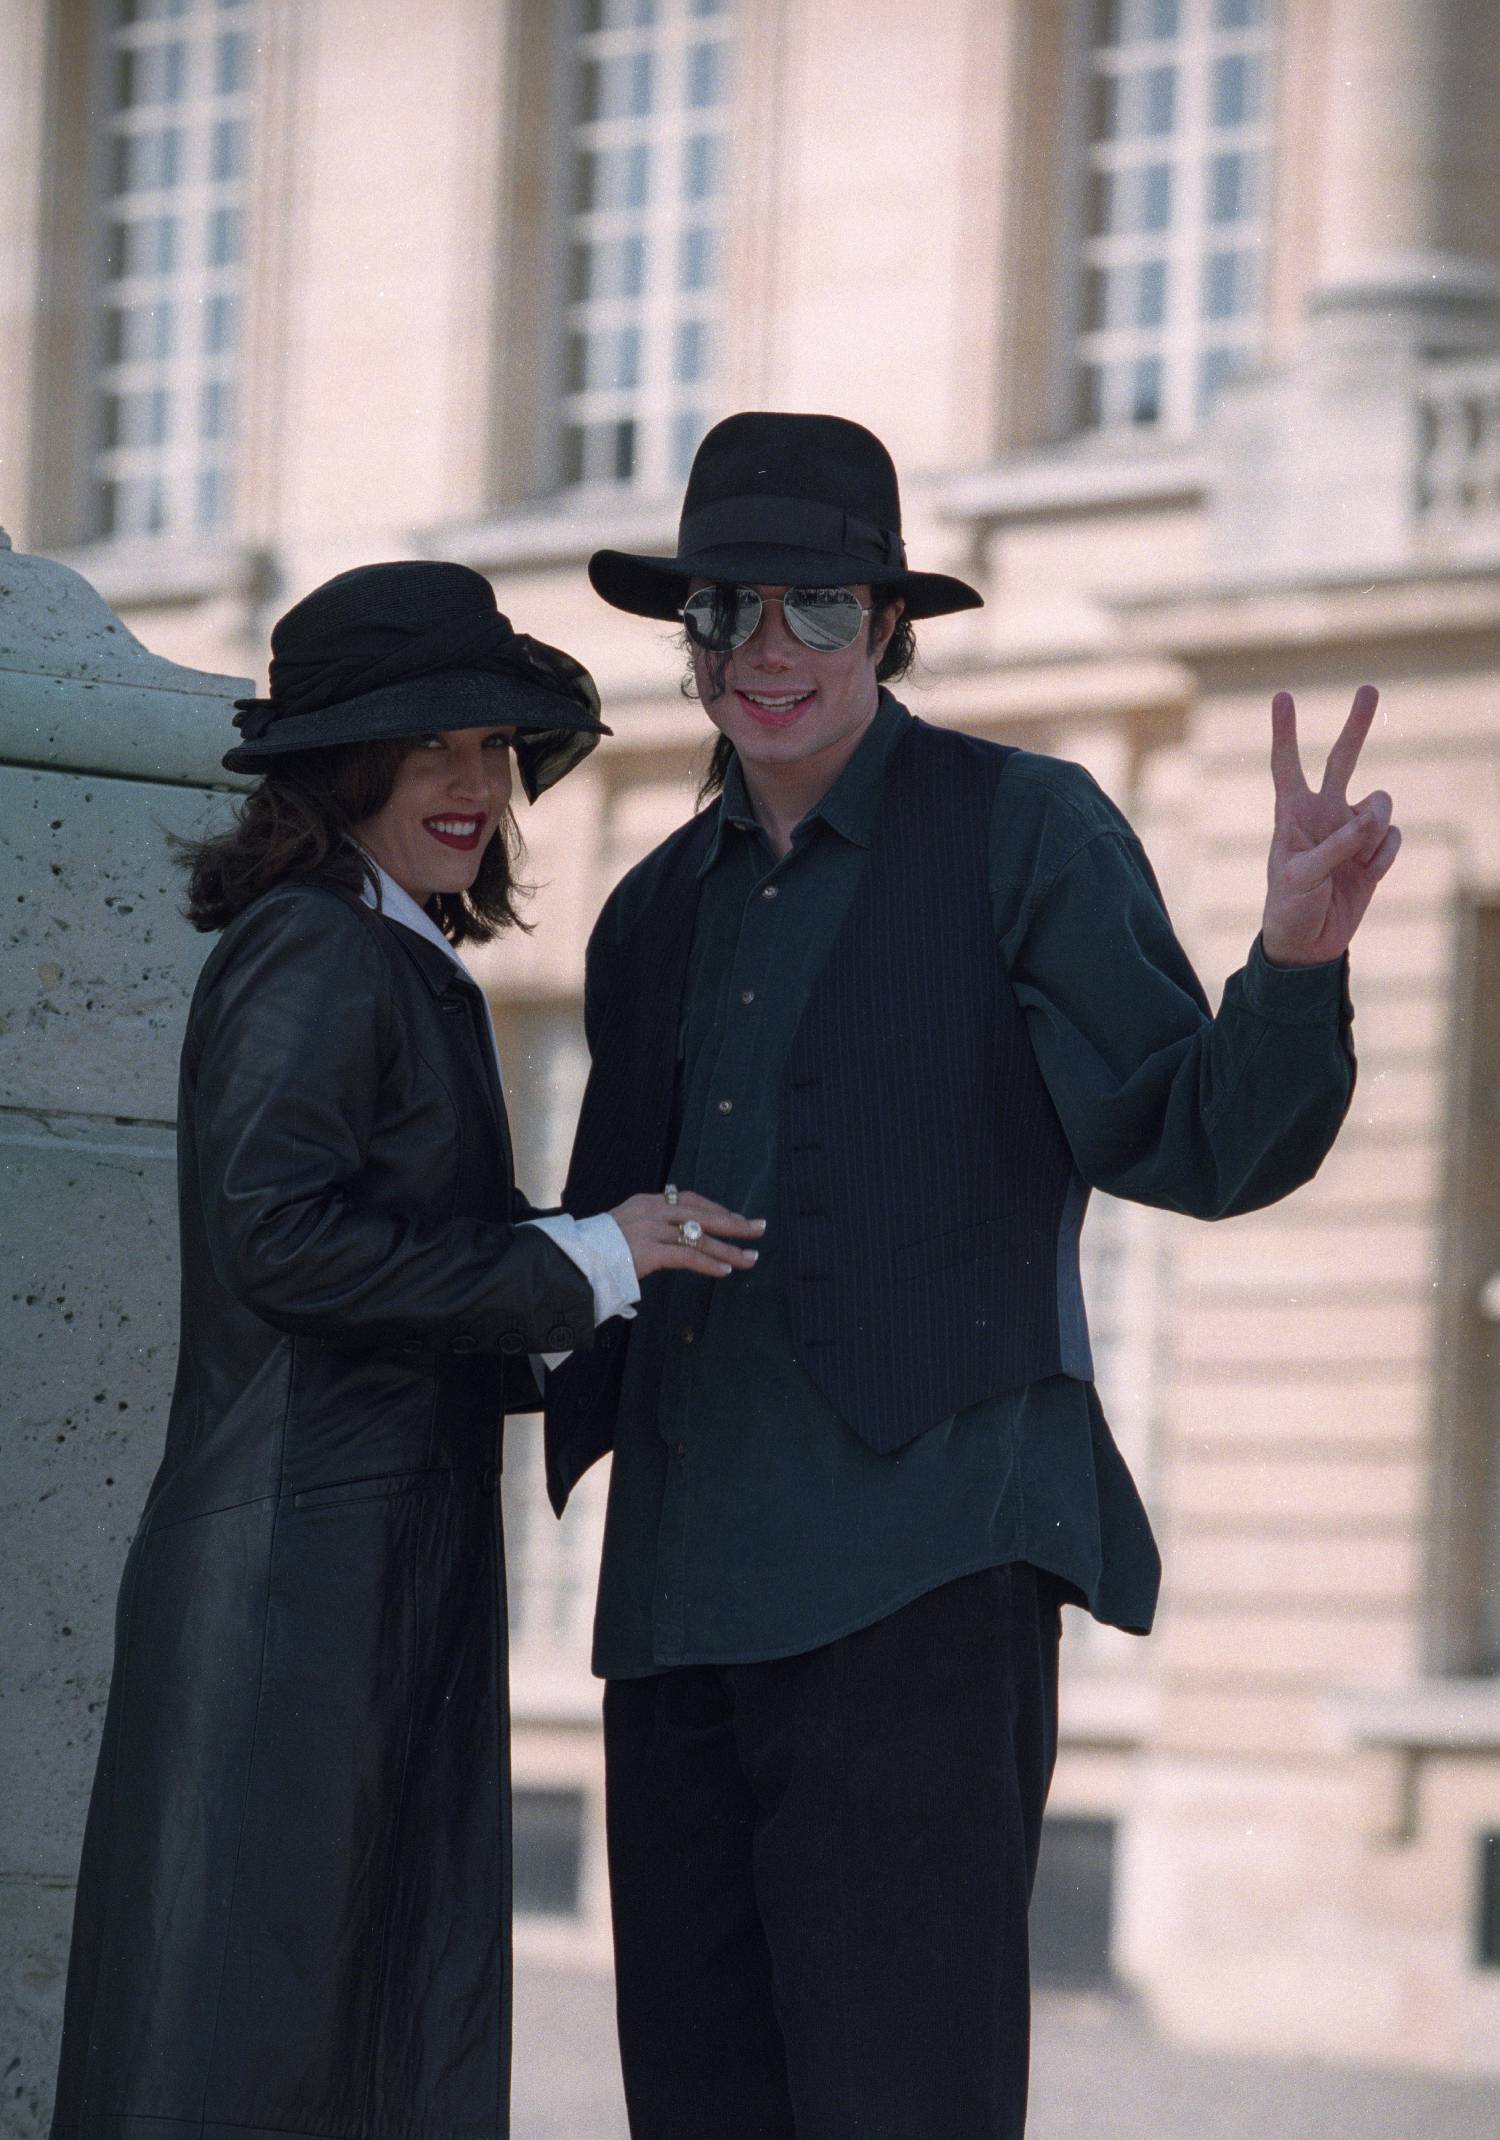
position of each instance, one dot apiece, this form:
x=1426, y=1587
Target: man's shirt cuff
x=1294, y=995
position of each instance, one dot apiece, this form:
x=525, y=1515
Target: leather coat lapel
x=459, y=997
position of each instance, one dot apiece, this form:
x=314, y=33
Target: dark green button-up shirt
x=746, y=1520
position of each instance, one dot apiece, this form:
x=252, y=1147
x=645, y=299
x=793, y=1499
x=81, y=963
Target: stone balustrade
x=1458, y=482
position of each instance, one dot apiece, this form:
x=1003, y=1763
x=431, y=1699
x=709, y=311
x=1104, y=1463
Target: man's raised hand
x=1327, y=854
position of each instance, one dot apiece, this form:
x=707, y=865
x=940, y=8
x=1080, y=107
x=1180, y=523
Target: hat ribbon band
x=795, y=523
x=483, y=641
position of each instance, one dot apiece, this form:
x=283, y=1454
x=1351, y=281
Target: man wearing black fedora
x=908, y=995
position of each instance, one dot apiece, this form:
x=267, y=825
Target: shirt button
x=770, y=891
x=747, y=995
x=726, y=1107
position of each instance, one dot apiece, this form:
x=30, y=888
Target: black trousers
x=820, y=1870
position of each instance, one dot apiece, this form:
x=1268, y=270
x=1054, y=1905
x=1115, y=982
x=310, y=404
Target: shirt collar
x=398, y=905
x=851, y=805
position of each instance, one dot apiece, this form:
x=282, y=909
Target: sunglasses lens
x=824, y=618
x=721, y=618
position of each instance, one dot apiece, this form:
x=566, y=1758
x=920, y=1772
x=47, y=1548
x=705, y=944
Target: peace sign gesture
x=1327, y=855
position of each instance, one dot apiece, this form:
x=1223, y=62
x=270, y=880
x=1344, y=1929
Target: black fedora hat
x=406, y=649
x=783, y=500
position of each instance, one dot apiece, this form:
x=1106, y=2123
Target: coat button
x=559, y=1338
x=726, y=1107
x=465, y=1342
x=747, y=995
x=451, y=1005
x=512, y=1341
x=771, y=891
x=687, y=1333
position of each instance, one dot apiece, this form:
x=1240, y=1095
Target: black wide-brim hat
x=410, y=649
x=783, y=500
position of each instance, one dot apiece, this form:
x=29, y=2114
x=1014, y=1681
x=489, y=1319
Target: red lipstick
x=457, y=828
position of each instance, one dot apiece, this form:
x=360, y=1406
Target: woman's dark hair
x=896, y=662
x=298, y=822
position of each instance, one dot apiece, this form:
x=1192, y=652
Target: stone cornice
x=559, y=532
x=1242, y=613
x=1081, y=478
x=150, y=575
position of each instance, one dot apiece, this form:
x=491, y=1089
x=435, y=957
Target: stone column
x=104, y=750
x=1410, y=251
x=1320, y=463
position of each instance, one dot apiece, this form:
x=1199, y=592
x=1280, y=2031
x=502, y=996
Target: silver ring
x=670, y=1192
x=690, y=1233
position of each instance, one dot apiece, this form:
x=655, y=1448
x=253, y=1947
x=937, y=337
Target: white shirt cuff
x=603, y=1255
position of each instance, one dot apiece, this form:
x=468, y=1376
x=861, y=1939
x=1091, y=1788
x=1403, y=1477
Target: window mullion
x=1151, y=357
x=656, y=404
x=175, y=82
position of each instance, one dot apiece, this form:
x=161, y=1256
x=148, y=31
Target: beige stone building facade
x=1182, y=320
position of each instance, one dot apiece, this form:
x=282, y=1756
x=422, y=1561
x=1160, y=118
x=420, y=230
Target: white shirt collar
x=398, y=905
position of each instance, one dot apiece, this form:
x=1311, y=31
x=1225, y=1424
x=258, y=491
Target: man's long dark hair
x=896, y=662
x=298, y=821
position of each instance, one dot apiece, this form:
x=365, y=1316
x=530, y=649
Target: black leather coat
x=293, y=1908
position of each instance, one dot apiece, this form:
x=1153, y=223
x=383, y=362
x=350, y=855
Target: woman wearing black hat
x=292, y=1910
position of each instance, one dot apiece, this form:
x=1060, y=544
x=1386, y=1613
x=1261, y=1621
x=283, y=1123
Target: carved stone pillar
x=1322, y=465
x=104, y=750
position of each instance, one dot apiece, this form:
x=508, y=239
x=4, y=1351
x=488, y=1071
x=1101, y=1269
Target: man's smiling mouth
x=775, y=707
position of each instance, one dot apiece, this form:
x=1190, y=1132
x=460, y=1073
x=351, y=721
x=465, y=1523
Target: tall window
x=1175, y=209
x=178, y=85
x=648, y=149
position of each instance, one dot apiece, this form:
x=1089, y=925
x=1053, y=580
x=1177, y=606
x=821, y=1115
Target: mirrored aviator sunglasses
x=827, y=619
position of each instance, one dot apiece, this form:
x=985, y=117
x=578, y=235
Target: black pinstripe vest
x=930, y=1202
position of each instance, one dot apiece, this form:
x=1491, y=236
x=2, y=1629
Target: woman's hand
x=653, y=1230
